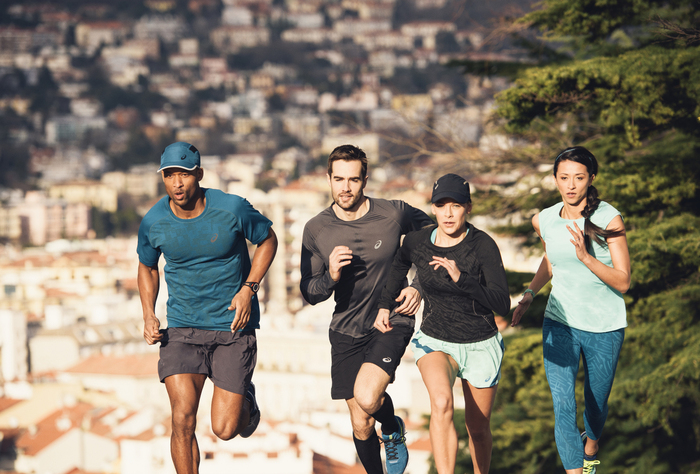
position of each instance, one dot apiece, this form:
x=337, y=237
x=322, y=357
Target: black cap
x=451, y=186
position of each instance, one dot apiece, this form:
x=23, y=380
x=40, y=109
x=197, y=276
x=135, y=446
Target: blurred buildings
x=265, y=90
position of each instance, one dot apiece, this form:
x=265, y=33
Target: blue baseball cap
x=180, y=155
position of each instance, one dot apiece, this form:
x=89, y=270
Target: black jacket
x=458, y=312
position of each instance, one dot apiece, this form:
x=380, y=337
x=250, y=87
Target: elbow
x=308, y=296
x=624, y=287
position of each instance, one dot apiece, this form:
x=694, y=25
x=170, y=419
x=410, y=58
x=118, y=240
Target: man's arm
x=262, y=259
x=148, y=283
x=316, y=281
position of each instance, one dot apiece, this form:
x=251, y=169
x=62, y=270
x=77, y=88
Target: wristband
x=529, y=291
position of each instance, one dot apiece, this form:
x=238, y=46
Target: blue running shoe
x=254, y=412
x=396, y=450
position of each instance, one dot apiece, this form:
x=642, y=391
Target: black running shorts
x=349, y=353
x=227, y=358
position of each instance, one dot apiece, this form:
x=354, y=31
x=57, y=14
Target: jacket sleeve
x=316, y=282
x=490, y=291
x=396, y=278
x=414, y=219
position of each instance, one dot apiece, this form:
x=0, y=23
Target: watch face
x=253, y=286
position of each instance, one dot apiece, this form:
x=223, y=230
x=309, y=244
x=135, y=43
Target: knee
x=183, y=422
x=563, y=404
x=225, y=429
x=479, y=434
x=442, y=405
x=367, y=401
x=362, y=426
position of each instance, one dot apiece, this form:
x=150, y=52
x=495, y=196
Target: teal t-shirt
x=206, y=258
x=579, y=298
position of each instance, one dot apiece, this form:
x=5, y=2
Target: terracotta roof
x=326, y=465
x=6, y=403
x=421, y=444
x=77, y=470
x=60, y=422
x=58, y=293
x=136, y=365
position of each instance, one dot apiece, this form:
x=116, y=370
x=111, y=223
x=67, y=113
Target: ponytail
x=591, y=231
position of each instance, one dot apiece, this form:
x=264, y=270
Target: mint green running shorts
x=479, y=362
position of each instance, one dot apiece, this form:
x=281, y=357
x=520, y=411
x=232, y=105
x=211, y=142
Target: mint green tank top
x=579, y=298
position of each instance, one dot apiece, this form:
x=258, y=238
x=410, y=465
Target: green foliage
x=594, y=21
x=631, y=93
x=522, y=422
x=634, y=94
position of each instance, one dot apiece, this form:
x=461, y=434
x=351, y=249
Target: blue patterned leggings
x=562, y=349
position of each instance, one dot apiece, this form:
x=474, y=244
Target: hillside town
x=265, y=89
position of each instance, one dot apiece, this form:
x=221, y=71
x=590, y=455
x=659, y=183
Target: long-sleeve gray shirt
x=373, y=239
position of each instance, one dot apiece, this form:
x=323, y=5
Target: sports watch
x=253, y=285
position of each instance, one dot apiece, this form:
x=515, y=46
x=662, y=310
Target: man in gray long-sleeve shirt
x=347, y=249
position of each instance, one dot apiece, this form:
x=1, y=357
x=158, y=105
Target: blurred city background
x=91, y=92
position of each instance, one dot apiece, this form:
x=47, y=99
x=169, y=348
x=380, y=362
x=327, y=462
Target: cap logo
x=436, y=185
x=183, y=157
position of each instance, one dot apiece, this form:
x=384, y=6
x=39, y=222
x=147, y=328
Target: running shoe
x=589, y=467
x=254, y=412
x=396, y=450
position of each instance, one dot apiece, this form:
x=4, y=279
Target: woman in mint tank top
x=587, y=259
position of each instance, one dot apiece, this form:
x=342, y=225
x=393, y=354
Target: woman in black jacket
x=463, y=283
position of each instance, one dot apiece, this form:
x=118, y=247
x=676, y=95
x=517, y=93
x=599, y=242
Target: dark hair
x=348, y=153
x=591, y=231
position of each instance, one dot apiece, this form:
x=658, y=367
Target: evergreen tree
x=628, y=88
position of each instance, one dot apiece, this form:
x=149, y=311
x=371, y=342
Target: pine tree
x=625, y=83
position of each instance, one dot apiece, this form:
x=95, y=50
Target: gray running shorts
x=227, y=358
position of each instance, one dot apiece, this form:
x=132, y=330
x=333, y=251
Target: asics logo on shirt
x=378, y=244
x=386, y=359
x=213, y=239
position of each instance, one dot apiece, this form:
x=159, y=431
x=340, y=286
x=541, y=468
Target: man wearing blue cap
x=212, y=308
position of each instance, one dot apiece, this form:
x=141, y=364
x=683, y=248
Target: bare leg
x=362, y=423
x=370, y=384
x=477, y=415
x=184, y=391
x=591, y=448
x=230, y=413
x=439, y=371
